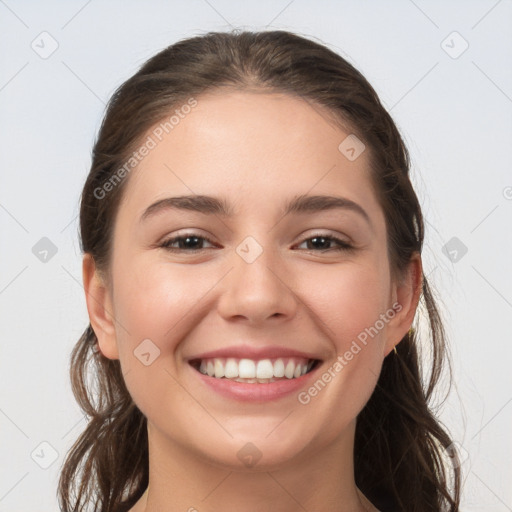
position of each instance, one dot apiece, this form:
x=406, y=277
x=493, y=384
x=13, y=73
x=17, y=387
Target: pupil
x=319, y=238
x=187, y=240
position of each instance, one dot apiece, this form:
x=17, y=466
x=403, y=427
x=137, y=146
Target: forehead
x=255, y=148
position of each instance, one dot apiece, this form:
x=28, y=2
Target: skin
x=256, y=150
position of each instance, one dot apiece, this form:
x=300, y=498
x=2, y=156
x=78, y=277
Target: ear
x=406, y=295
x=99, y=307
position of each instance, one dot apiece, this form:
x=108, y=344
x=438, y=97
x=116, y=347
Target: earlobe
x=407, y=295
x=99, y=307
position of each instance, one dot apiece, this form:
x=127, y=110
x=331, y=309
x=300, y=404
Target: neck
x=181, y=480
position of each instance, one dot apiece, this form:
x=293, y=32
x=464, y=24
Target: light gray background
x=453, y=110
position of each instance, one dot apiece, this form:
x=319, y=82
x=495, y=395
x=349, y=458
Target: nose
x=255, y=292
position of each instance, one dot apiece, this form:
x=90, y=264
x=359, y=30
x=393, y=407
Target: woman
x=252, y=266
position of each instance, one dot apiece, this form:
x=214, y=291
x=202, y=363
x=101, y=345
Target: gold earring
x=394, y=348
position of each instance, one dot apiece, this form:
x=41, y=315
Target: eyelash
x=342, y=245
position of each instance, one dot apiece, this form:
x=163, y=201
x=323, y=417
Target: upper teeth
x=232, y=368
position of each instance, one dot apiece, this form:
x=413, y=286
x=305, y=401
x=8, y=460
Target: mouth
x=254, y=371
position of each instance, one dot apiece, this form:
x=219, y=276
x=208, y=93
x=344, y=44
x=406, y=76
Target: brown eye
x=188, y=242
x=324, y=243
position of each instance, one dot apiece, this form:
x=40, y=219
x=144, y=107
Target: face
x=199, y=292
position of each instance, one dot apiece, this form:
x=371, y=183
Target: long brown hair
x=402, y=453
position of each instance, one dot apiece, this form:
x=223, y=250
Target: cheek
x=349, y=300
x=159, y=302
x=351, y=308
x=153, y=299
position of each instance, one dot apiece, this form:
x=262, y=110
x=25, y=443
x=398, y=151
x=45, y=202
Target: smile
x=252, y=371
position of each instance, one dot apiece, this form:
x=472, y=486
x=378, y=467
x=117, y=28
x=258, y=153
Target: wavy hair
x=402, y=453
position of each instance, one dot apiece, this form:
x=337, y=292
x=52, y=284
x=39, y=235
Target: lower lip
x=255, y=392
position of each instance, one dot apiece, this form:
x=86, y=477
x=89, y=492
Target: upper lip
x=251, y=352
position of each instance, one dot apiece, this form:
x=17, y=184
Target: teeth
x=246, y=369
x=250, y=371
x=289, y=371
x=279, y=368
x=219, y=368
x=231, y=369
x=265, y=369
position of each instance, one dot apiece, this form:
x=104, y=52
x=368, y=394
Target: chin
x=255, y=454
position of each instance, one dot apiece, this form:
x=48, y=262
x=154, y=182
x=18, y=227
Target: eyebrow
x=210, y=205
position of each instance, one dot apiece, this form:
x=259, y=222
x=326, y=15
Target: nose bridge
x=254, y=288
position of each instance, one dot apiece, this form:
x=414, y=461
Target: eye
x=322, y=243
x=189, y=242
x=192, y=242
